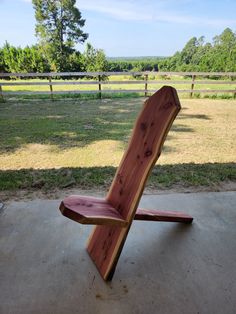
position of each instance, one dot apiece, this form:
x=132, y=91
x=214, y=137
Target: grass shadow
x=73, y=124
x=163, y=176
x=183, y=116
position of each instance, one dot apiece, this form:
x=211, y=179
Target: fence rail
x=97, y=78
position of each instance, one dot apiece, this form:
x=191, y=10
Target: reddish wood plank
x=158, y=215
x=144, y=148
x=91, y=210
x=96, y=211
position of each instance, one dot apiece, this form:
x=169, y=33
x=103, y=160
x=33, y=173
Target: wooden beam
x=210, y=82
x=61, y=74
x=157, y=215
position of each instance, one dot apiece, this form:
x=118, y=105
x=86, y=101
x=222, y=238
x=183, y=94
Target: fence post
x=50, y=85
x=1, y=94
x=234, y=93
x=192, y=85
x=146, y=84
x=99, y=87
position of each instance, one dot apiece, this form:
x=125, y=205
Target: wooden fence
x=101, y=79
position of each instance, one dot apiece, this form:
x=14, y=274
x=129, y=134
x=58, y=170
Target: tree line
x=31, y=59
x=199, y=55
x=59, y=28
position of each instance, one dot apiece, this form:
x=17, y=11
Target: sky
x=129, y=27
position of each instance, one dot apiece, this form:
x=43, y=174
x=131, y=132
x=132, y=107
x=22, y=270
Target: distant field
x=80, y=143
x=142, y=59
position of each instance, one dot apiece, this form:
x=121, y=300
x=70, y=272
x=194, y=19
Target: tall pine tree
x=58, y=27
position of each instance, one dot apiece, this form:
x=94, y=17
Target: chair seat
x=95, y=211
x=91, y=210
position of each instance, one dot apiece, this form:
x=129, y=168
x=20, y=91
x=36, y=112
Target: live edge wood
x=115, y=214
x=150, y=131
x=95, y=211
x=91, y=211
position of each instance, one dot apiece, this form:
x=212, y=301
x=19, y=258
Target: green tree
x=218, y=56
x=225, y=51
x=3, y=67
x=189, y=50
x=28, y=59
x=58, y=27
x=94, y=60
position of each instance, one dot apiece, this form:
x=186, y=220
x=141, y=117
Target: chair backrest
x=144, y=148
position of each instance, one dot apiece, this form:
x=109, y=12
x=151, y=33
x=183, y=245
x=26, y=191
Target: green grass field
x=49, y=144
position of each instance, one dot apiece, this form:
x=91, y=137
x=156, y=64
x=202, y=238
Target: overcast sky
x=131, y=27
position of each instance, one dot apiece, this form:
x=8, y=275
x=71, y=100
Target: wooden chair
x=114, y=214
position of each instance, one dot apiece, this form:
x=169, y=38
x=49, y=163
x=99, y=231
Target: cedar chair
x=113, y=215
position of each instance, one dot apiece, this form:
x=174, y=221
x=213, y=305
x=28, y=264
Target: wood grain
x=158, y=215
x=96, y=211
x=91, y=210
x=150, y=131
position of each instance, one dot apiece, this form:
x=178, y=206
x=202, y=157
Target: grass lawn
x=48, y=144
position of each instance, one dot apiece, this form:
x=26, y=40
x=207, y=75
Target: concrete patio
x=164, y=267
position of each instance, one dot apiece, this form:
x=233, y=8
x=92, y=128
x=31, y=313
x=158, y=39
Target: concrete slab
x=164, y=267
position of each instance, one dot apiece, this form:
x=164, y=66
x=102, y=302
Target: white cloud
x=140, y=11
x=119, y=10
x=131, y=10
